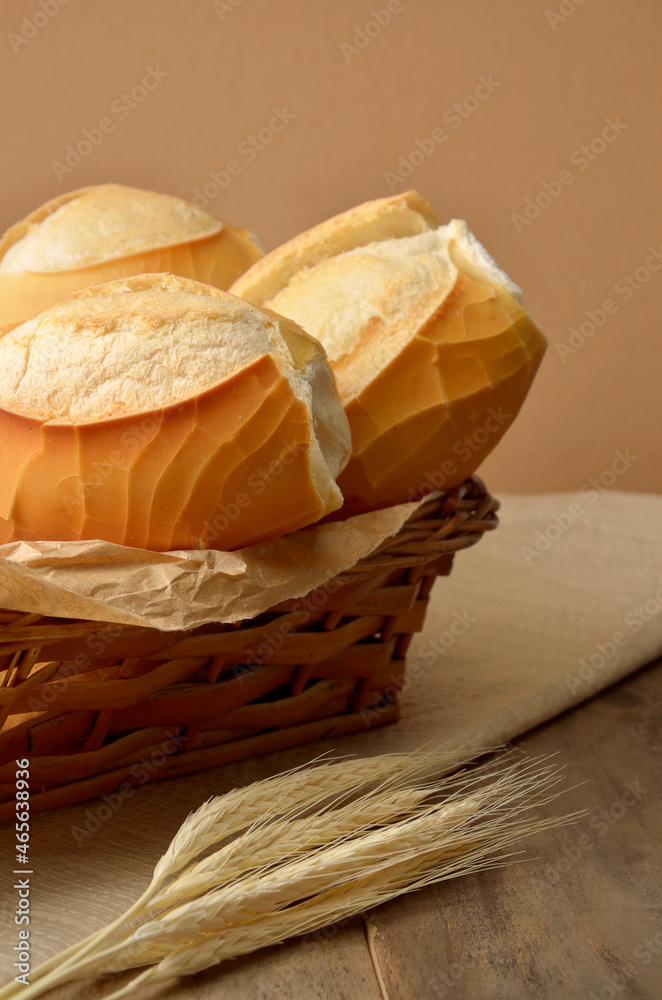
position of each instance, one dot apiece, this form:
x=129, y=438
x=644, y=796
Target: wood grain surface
x=580, y=918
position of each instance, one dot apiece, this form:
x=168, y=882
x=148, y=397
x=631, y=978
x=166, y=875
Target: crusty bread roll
x=432, y=351
x=162, y=413
x=101, y=233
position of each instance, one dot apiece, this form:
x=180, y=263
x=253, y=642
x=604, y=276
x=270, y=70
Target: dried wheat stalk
x=258, y=804
x=224, y=815
x=289, y=873
x=328, y=907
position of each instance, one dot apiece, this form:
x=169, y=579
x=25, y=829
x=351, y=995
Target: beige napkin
x=562, y=600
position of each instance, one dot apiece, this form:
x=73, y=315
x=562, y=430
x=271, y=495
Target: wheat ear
x=287, y=793
x=227, y=814
x=224, y=815
x=346, y=899
x=396, y=831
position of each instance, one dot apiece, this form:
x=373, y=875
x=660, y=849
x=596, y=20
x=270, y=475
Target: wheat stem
x=380, y=827
x=55, y=970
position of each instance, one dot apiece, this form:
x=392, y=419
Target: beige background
x=556, y=78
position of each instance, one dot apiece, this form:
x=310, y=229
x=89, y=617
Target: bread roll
x=432, y=351
x=162, y=413
x=101, y=233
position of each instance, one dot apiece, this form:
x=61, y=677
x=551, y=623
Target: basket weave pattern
x=97, y=706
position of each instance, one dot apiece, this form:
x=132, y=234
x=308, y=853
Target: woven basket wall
x=99, y=707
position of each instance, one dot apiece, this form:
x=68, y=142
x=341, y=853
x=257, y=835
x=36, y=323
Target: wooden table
x=582, y=918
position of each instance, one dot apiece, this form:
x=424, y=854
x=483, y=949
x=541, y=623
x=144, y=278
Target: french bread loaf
x=97, y=234
x=432, y=351
x=159, y=412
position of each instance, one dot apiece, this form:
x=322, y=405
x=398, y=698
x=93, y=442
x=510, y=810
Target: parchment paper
x=180, y=590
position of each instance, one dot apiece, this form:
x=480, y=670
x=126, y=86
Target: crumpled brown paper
x=181, y=590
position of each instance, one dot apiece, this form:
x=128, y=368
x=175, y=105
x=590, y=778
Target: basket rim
x=445, y=523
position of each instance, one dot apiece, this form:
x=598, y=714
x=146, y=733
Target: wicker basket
x=97, y=708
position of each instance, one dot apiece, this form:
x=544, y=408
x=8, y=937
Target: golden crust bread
x=431, y=416
x=97, y=234
x=402, y=215
x=97, y=224
x=432, y=351
x=220, y=453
